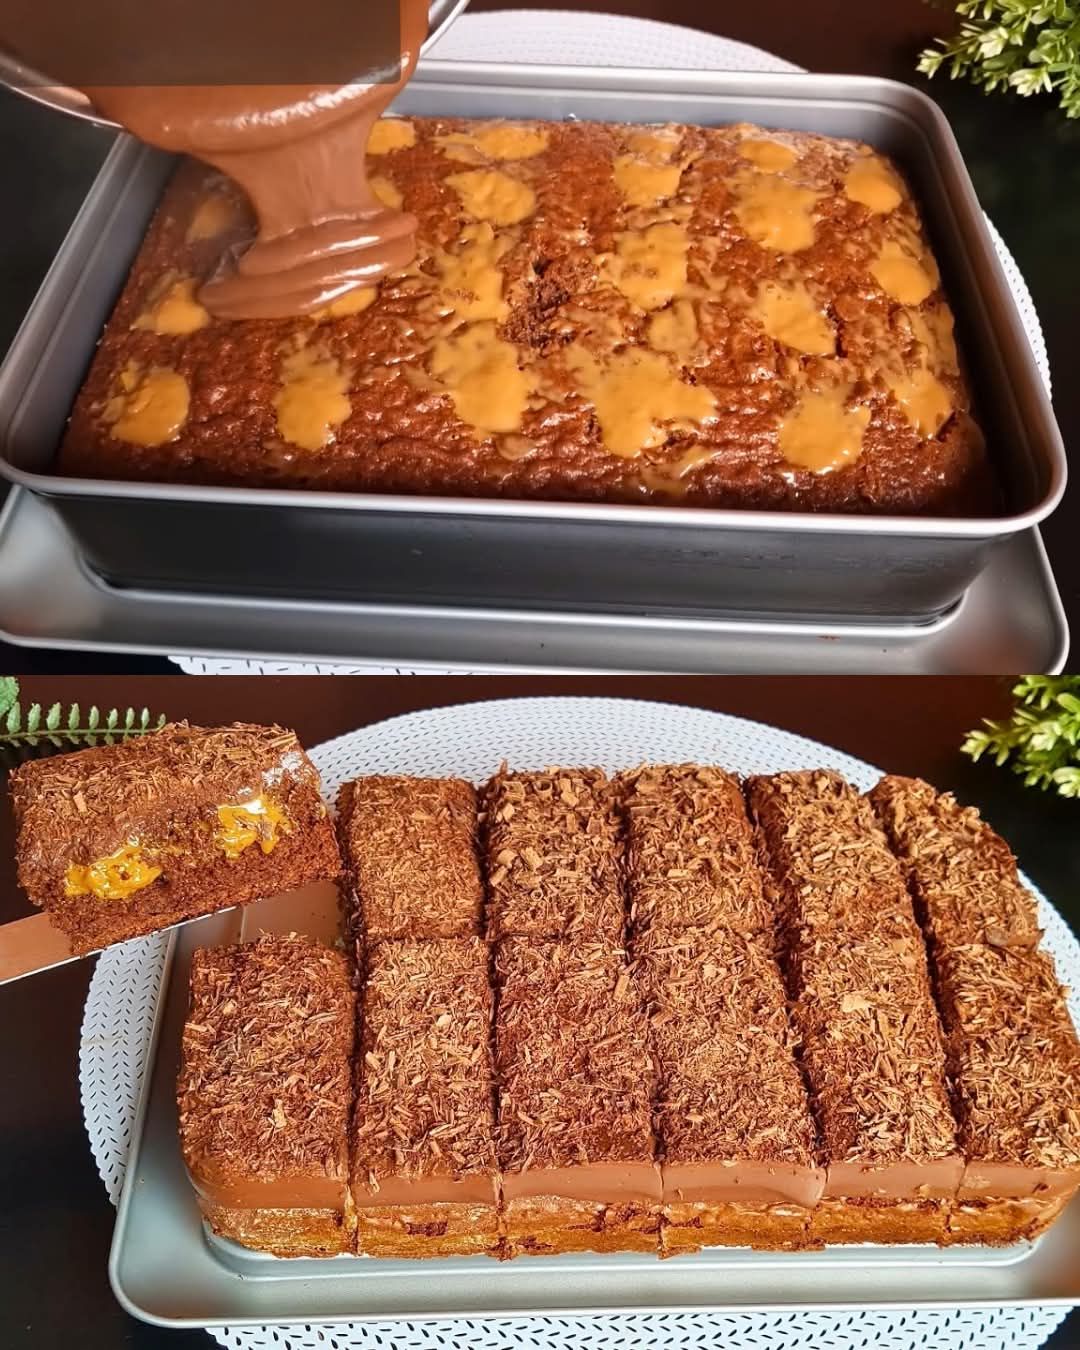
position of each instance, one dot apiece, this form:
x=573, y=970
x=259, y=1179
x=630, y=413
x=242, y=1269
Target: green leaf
x=14, y=719
x=9, y=692
x=52, y=717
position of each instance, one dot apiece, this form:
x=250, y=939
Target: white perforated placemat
x=565, y=37
x=470, y=740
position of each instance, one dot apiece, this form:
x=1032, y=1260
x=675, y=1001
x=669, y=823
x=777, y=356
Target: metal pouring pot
x=35, y=86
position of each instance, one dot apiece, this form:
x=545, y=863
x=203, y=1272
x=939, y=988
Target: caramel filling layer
x=604, y=1183
x=241, y=824
x=116, y=877
x=937, y=1180
x=759, y=1183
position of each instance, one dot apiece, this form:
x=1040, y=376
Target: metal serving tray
x=605, y=558
x=165, y=1268
x=1010, y=620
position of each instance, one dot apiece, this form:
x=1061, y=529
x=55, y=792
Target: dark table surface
x=55, y=1220
x=1023, y=155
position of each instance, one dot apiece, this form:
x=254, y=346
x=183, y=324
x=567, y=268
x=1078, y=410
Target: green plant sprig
x=1042, y=737
x=60, y=726
x=1030, y=46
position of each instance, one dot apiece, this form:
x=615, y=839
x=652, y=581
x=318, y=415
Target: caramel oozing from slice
x=116, y=877
x=241, y=824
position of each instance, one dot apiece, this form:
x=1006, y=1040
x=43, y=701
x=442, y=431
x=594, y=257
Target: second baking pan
x=442, y=551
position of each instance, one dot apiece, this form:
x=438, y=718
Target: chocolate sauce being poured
x=299, y=154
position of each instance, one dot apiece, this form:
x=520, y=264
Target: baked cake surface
x=722, y=316
x=120, y=840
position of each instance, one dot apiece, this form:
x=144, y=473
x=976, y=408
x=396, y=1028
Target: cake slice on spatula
x=118, y=841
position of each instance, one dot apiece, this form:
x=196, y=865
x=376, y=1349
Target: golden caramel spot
x=924, y=399
x=172, y=310
x=391, y=133
x=821, y=433
x=487, y=194
x=671, y=478
x=776, y=214
x=313, y=399
x=500, y=140
x=480, y=372
x=470, y=282
x=933, y=329
x=241, y=824
x=387, y=192
x=789, y=315
x=645, y=184
x=675, y=330
x=639, y=399
x=213, y=216
x=771, y=156
x=655, y=143
x=116, y=877
x=902, y=276
x=871, y=182
x=649, y=266
x=150, y=408
x=352, y=302
x=514, y=447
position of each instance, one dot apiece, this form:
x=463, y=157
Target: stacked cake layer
x=650, y=1012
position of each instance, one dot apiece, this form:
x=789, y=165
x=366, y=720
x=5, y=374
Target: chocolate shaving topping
x=265, y=1083
x=856, y=965
x=691, y=852
x=410, y=848
x=553, y=854
x=962, y=874
x=573, y=1066
x=424, y=1101
x=729, y=1085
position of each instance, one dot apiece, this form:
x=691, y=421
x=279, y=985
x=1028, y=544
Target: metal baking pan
x=552, y=556
x=166, y=1269
x=1011, y=619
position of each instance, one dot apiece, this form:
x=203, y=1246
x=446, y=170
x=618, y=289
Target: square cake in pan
x=710, y=316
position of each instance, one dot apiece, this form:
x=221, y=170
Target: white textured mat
x=470, y=740
x=565, y=37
